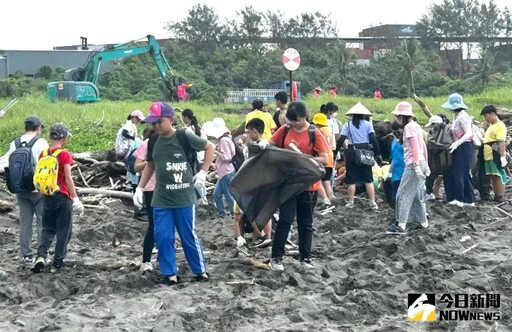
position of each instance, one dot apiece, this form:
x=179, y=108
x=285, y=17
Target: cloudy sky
x=35, y=24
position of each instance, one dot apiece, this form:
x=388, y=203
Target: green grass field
x=94, y=126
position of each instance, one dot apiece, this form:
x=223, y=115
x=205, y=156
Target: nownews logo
x=422, y=307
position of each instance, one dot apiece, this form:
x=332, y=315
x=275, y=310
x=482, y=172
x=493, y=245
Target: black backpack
x=190, y=153
x=129, y=162
x=19, y=175
x=239, y=157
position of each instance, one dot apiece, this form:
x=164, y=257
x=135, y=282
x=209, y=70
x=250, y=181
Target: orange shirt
x=302, y=141
x=328, y=139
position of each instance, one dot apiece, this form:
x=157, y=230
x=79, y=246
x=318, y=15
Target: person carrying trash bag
x=295, y=136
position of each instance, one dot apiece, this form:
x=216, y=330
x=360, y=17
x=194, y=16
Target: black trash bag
x=268, y=179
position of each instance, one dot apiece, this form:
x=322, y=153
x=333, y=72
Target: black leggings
x=149, y=239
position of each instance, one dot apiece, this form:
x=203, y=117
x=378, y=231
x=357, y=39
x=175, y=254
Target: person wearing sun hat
x=225, y=169
x=325, y=190
x=410, y=197
x=174, y=196
x=458, y=184
x=127, y=134
x=360, y=134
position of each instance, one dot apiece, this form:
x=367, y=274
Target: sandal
x=202, y=278
x=169, y=282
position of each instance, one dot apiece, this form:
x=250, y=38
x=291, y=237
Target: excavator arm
x=90, y=73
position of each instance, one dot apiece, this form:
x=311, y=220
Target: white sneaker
x=456, y=202
x=374, y=205
x=154, y=251
x=146, y=267
x=307, y=263
x=470, y=204
x=276, y=264
x=349, y=205
x=326, y=201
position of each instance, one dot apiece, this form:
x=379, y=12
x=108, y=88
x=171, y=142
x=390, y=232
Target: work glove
x=78, y=207
x=427, y=171
x=138, y=198
x=419, y=172
x=200, y=179
x=240, y=242
x=263, y=144
x=503, y=161
x=454, y=146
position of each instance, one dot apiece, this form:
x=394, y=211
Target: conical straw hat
x=359, y=109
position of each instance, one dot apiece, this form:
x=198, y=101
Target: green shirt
x=174, y=187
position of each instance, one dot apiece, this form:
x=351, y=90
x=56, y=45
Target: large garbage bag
x=268, y=179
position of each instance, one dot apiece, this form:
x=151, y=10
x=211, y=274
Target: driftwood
x=6, y=206
x=109, y=193
x=257, y=263
x=105, y=155
x=423, y=106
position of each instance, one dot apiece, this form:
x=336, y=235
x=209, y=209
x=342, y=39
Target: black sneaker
x=395, y=229
x=39, y=265
x=202, y=278
x=58, y=264
x=262, y=242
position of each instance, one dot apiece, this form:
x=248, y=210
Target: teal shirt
x=174, y=187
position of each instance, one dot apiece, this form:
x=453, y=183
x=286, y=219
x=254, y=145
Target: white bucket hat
x=403, y=108
x=215, y=128
x=358, y=109
x=434, y=119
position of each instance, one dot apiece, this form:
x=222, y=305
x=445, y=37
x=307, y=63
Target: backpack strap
x=311, y=131
x=32, y=141
x=286, y=130
x=181, y=135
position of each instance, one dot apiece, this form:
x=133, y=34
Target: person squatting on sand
x=458, y=184
x=30, y=203
x=494, y=151
x=149, y=238
x=174, y=197
x=410, y=198
x=58, y=209
x=359, y=133
x=254, y=130
x=297, y=138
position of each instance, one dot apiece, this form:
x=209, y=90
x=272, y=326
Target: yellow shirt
x=267, y=119
x=495, y=133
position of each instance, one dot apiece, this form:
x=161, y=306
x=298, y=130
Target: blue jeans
x=222, y=190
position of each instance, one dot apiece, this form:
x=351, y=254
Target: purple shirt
x=225, y=152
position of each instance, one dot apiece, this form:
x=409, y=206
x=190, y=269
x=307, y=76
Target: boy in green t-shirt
x=174, y=197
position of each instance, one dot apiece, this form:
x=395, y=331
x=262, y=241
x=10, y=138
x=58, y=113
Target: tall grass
x=94, y=126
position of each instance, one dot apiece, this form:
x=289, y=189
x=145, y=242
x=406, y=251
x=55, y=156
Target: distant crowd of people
x=168, y=170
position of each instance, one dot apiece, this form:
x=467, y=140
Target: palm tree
x=343, y=58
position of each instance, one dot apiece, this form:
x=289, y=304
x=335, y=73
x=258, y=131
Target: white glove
x=427, y=171
x=503, y=161
x=200, y=179
x=263, y=144
x=138, y=197
x=240, y=242
x=419, y=173
x=78, y=207
x=454, y=146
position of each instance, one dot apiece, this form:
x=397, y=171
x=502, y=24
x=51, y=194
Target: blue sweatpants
x=184, y=219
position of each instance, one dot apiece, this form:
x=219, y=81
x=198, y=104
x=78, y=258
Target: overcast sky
x=39, y=25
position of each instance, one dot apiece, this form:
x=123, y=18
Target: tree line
x=217, y=56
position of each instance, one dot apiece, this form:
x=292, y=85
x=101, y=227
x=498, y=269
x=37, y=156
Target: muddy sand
x=360, y=283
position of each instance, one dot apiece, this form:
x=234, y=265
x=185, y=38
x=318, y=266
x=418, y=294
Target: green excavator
x=80, y=84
